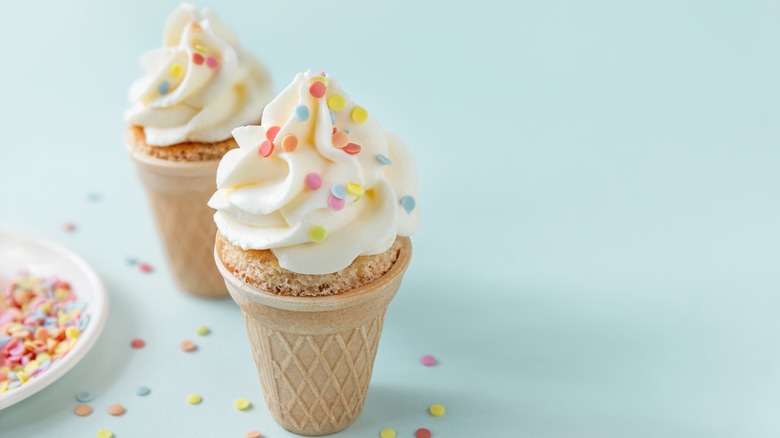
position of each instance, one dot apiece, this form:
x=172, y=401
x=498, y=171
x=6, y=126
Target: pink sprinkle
x=317, y=89
x=69, y=227
x=145, y=267
x=266, y=149
x=138, y=343
x=270, y=134
x=335, y=203
x=428, y=360
x=197, y=58
x=313, y=181
x=352, y=149
x=212, y=62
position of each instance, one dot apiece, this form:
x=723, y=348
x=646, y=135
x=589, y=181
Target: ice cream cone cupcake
x=198, y=87
x=313, y=213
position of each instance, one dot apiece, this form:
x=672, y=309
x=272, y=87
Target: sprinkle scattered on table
x=69, y=227
x=93, y=197
x=142, y=391
x=253, y=434
x=242, y=404
x=84, y=396
x=422, y=433
x=436, y=410
x=83, y=410
x=131, y=261
x=387, y=433
x=194, y=399
x=188, y=346
x=138, y=343
x=428, y=360
x=202, y=331
x=116, y=410
x=145, y=267
x=104, y=433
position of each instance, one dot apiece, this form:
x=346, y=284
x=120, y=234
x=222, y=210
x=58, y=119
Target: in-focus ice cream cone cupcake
x=195, y=90
x=313, y=213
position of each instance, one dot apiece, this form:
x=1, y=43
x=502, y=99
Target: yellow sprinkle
x=354, y=189
x=359, y=114
x=322, y=79
x=22, y=376
x=241, y=404
x=60, y=294
x=436, y=410
x=317, y=233
x=194, y=399
x=199, y=48
x=3, y=386
x=176, y=70
x=43, y=358
x=72, y=333
x=202, y=331
x=336, y=102
x=104, y=433
x=387, y=433
x=31, y=366
x=61, y=348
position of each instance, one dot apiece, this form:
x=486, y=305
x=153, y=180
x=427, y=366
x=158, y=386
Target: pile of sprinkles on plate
x=41, y=320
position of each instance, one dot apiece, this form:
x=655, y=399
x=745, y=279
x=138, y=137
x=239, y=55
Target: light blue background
x=600, y=248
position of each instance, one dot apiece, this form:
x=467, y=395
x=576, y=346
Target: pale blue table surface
x=600, y=251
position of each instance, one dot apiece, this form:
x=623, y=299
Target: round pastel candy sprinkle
x=332, y=116
x=145, y=268
x=188, y=346
x=387, y=433
x=197, y=58
x=317, y=89
x=289, y=142
x=339, y=191
x=200, y=48
x=428, y=360
x=72, y=332
x=359, y=114
x=194, y=399
x=266, y=149
x=383, y=159
x=253, y=434
x=317, y=233
x=422, y=433
x=352, y=149
x=340, y=139
x=271, y=132
x=335, y=203
x=302, y=113
x=212, y=62
x=313, y=181
x=138, y=343
x=84, y=396
x=142, y=391
x=176, y=70
x=336, y=102
x=408, y=203
x=104, y=433
x=321, y=78
x=354, y=189
x=202, y=331
x=195, y=27
x=163, y=87
x=83, y=410
x=436, y=410
x=69, y=227
x=116, y=410
x=242, y=404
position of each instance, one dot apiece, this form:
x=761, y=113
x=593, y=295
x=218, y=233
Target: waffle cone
x=315, y=355
x=178, y=192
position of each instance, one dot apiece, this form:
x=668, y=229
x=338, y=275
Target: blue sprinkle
x=302, y=113
x=50, y=320
x=383, y=159
x=15, y=384
x=142, y=391
x=408, y=203
x=131, y=261
x=4, y=340
x=93, y=197
x=332, y=117
x=12, y=375
x=163, y=87
x=83, y=321
x=339, y=191
x=84, y=396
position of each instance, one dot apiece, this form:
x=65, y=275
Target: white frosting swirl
x=200, y=85
x=267, y=196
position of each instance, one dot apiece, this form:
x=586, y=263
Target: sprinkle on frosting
x=335, y=203
x=302, y=113
x=317, y=233
x=354, y=189
x=317, y=89
x=289, y=142
x=339, y=191
x=313, y=181
x=340, y=139
x=352, y=149
x=383, y=159
x=266, y=149
x=197, y=58
x=359, y=114
x=408, y=203
x=163, y=87
x=271, y=133
x=176, y=70
x=336, y=102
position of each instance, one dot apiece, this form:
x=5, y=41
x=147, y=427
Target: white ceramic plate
x=42, y=257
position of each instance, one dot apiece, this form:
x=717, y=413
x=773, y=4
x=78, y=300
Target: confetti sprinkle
x=408, y=203
x=422, y=433
x=336, y=102
x=202, y=330
x=104, y=433
x=387, y=433
x=428, y=360
x=271, y=133
x=138, y=343
x=199, y=47
x=317, y=233
x=142, y=391
x=176, y=70
x=188, y=346
x=266, y=149
x=116, y=410
x=212, y=62
x=436, y=410
x=84, y=396
x=69, y=227
x=163, y=87
x=242, y=404
x=289, y=142
x=313, y=181
x=359, y=114
x=339, y=191
x=194, y=399
x=354, y=189
x=321, y=78
x=317, y=89
x=131, y=261
x=195, y=27
x=302, y=113
x=335, y=203
x=145, y=268
x=40, y=322
x=83, y=410
x=93, y=197
x=197, y=58
x=340, y=139
x=253, y=434
x=352, y=149
x=383, y=159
